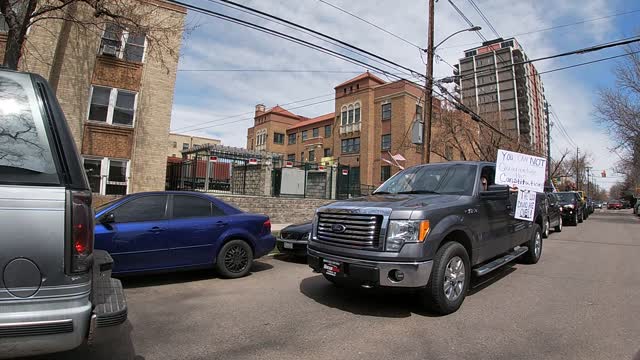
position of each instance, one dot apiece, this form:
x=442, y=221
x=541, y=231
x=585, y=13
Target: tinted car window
x=145, y=208
x=25, y=152
x=441, y=179
x=190, y=206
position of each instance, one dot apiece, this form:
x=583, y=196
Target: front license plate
x=331, y=268
x=288, y=245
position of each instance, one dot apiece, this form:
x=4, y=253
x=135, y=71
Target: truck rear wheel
x=535, y=246
x=559, y=227
x=449, y=280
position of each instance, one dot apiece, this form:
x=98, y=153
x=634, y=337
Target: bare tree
x=91, y=16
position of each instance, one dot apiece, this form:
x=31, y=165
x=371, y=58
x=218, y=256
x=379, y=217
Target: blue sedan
x=156, y=231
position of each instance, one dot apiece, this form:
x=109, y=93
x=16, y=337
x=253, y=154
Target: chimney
x=260, y=109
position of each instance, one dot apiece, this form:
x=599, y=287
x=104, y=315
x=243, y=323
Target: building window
x=357, y=113
x=343, y=119
x=350, y=120
x=386, y=111
x=385, y=173
x=327, y=152
x=292, y=138
x=312, y=155
x=350, y=146
x=112, y=106
x=302, y=157
x=305, y=135
x=174, y=144
x=291, y=157
x=316, y=132
x=120, y=43
x=386, y=142
x=278, y=138
x=327, y=131
x=107, y=176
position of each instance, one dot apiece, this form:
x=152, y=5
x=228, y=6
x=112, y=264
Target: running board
x=489, y=267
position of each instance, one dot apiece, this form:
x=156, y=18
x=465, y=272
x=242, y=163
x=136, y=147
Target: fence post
x=208, y=174
x=244, y=179
x=305, y=181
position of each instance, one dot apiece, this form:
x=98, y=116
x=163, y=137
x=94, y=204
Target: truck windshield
x=566, y=197
x=25, y=153
x=455, y=179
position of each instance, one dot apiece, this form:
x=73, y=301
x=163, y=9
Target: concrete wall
x=279, y=210
x=317, y=184
x=251, y=179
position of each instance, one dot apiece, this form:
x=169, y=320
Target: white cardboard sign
x=526, y=205
x=522, y=171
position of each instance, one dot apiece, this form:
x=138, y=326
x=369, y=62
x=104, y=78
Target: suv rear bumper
x=374, y=273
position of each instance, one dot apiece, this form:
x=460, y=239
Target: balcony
x=350, y=128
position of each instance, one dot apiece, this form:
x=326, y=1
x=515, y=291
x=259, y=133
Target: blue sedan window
x=190, y=206
x=146, y=208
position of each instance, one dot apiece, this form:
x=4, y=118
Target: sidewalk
x=278, y=227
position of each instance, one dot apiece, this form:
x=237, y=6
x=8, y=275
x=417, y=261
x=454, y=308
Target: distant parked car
x=590, y=206
x=614, y=205
x=571, y=207
x=598, y=205
x=158, y=231
x=553, y=214
x=294, y=238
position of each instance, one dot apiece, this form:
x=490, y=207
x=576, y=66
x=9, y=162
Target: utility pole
x=588, y=168
x=428, y=90
x=577, y=168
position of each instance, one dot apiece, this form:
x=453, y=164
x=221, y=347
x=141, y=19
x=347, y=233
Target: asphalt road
x=581, y=301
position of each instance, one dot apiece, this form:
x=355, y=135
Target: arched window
x=343, y=119
x=350, y=114
x=357, y=113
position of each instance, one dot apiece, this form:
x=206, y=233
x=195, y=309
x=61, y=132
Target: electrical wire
x=370, y=23
x=466, y=19
x=477, y=8
x=284, y=71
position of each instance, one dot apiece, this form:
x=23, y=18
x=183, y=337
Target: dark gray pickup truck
x=429, y=227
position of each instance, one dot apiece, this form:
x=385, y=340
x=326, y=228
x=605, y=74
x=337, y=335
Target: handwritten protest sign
x=526, y=205
x=521, y=171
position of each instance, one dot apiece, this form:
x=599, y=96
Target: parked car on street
x=626, y=204
x=428, y=228
x=294, y=238
x=614, y=205
x=598, y=205
x=56, y=292
x=552, y=215
x=571, y=209
x=590, y=206
x=160, y=231
x=636, y=208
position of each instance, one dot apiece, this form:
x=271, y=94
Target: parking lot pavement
x=581, y=301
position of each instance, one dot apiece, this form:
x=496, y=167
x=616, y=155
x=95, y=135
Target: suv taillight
x=81, y=232
x=266, y=227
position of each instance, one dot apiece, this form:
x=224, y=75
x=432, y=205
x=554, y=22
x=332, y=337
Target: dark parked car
x=626, y=204
x=590, y=206
x=428, y=228
x=614, y=205
x=552, y=214
x=294, y=238
x=571, y=207
x=172, y=230
x=56, y=292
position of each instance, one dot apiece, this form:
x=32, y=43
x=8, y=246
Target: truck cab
x=428, y=228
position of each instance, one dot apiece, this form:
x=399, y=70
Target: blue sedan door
x=138, y=238
x=195, y=226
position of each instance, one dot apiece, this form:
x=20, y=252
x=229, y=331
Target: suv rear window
x=25, y=152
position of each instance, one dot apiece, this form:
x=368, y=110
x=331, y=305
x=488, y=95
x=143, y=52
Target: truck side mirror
x=108, y=218
x=495, y=192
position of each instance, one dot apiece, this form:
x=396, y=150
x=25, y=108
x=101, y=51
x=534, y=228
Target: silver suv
x=55, y=290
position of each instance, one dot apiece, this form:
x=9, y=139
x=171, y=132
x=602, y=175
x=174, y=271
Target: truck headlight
x=306, y=236
x=401, y=232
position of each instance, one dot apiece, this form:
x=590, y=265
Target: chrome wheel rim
x=236, y=259
x=454, y=276
x=546, y=227
x=560, y=226
x=537, y=246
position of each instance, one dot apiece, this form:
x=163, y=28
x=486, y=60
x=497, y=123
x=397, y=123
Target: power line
x=307, y=29
x=466, y=19
x=248, y=113
x=372, y=24
x=552, y=27
x=563, y=130
x=477, y=8
x=283, y=71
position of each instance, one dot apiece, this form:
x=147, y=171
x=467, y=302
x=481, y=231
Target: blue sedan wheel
x=235, y=259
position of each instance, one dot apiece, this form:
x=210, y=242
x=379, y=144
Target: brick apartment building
x=372, y=121
x=181, y=142
x=116, y=97
x=512, y=96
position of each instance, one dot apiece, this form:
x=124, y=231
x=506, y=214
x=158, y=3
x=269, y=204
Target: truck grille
x=353, y=230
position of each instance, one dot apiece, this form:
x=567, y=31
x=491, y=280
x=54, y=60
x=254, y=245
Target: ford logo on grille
x=338, y=228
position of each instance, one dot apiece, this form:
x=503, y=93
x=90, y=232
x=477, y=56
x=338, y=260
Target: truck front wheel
x=449, y=280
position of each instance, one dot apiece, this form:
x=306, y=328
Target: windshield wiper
x=418, y=192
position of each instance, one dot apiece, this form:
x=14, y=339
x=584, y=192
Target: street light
x=426, y=156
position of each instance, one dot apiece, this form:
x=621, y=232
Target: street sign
x=213, y=159
x=253, y=161
x=345, y=172
x=289, y=164
x=321, y=168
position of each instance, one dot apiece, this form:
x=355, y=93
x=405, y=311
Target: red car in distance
x=614, y=205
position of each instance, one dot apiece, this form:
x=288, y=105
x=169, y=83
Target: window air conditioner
x=109, y=50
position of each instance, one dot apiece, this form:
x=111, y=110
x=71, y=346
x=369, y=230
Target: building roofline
x=364, y=75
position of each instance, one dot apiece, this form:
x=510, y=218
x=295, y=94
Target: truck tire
x=535, y=246
x=559, y=227
x=546, y=226
x=574, y=221
x=234, y=259
x=449, y=280
x=581, y=217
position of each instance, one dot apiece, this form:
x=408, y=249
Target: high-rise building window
x=112, y=106
x=386, y=111
x=350, y=146
x=386, y=142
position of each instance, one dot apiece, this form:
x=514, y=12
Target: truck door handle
x=156, y=229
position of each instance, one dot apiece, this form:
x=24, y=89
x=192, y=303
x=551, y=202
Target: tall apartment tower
x=500, y=88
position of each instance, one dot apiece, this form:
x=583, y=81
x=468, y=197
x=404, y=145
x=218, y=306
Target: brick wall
x=3, y=44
